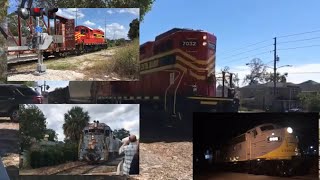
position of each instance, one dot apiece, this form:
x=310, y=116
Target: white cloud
x=110, y=12
x=89, y=23
x=134, y=11
x=70, y=13
x=115, y=115
x=115, y=31
x=296, y=74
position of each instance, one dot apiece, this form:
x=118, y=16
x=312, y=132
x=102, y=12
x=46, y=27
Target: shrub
x=126, y=60
x=53, y=155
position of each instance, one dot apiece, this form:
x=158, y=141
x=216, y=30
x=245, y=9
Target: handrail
x=175, y=94
x=165, y=95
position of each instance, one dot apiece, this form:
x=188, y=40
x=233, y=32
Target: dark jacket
x=134, y=167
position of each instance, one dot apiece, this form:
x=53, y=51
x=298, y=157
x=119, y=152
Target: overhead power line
x=300, y=47
x=304, y=73
x=299, y=34
x=299, y=40
x=265, y=52
x=244, y=47
x=246, y=51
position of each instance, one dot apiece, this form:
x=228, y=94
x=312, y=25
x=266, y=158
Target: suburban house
x=310, y=86
x=261, y=96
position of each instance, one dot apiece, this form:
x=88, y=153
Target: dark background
x=216, y=129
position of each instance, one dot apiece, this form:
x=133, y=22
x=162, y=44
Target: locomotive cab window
x=169, y=44
x=85, y=131
x=107, y=132
x=255, y=133
x=83, y=31
x=266, y=128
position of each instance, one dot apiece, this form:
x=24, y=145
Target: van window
x=27, y=91
x=5, y=91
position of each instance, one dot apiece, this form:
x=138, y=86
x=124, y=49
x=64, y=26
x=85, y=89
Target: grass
x=124, y=62
x=62, y=65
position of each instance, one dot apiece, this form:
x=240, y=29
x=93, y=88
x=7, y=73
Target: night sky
x=215, y=129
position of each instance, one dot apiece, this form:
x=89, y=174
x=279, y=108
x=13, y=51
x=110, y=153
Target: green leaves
x=134, y=29
x=121, y=133
x=74, y=122
x=32, y=124
x=310, y=101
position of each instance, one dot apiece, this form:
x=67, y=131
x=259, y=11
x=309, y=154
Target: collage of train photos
x=159, y=89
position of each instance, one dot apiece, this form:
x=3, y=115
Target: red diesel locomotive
x=177, y=76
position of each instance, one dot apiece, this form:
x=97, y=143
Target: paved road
x=238, y=176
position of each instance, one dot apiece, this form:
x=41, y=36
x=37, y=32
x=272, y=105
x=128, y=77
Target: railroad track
x=86, y=168
x=14, y=60
x=81, y=169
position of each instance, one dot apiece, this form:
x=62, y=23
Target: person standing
x=134, y=168
x=129, y=149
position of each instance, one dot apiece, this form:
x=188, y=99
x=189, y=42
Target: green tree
x=144, y=5
x=279, y=77
x=257, y=72
x=134, y=29
x=3, y=64
x=74, y=122
x=310, y=102
x=121, y=133
x=32, y=124
x=53, y=136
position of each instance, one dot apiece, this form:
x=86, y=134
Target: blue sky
x=53, y=84
x=240, y=23
x=114, y=20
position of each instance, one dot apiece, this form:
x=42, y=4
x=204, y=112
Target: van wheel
x=14, y=115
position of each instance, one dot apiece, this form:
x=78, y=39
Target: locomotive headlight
x=289, y=130
x=204, y=43
x=204, y=37
x=273, y=139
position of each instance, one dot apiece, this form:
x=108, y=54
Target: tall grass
x=126, y=60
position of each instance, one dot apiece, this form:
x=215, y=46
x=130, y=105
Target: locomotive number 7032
x=189, y=43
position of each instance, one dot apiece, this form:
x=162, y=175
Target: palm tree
x=74, y=122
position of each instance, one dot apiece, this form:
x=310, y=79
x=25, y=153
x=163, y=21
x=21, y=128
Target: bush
x=53, y=155
x=126, y=60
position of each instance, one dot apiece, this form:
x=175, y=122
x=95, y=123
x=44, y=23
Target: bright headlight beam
x=289, y=130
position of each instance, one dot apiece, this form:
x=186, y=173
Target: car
x=11, y=95
x=294, y=110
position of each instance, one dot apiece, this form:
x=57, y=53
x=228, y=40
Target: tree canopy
x=121, y=133
x=3, y=64
x=311, y=102
x=74, y=122
x=144, y=5
x=134, y=29
x=53, y=136
x=32, y=124
x=259, y=74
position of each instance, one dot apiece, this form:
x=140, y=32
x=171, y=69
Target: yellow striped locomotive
x=264, y=149
x=96, y=142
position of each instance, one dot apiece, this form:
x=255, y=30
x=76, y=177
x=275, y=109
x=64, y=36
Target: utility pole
x=275, y=68
x=223, y=78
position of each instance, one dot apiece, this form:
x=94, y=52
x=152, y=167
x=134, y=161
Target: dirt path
x=9, y=146
x=166, y=161
x=71, y=68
